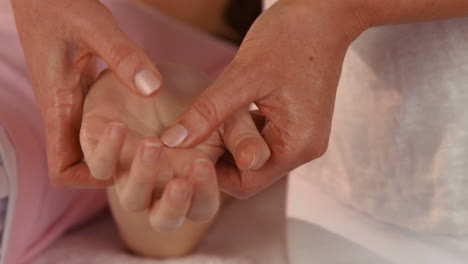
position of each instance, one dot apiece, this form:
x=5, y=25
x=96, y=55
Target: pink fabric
x=167, y=40
x=42, y=213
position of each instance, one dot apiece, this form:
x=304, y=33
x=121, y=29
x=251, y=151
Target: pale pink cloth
x=41, y=213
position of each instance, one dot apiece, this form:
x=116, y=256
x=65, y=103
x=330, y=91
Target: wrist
x=343, y=20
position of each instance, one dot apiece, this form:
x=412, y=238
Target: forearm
x=382, y=12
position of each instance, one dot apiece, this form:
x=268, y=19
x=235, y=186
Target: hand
x=61, y=39
x=119, y=136
x=289, y=65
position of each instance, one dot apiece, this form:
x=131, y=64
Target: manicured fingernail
x=147, y=82
x=174, y=135
x=202, y=170
x=151, y=151
x=258, y=160
x=117, y=130
x=179, y=192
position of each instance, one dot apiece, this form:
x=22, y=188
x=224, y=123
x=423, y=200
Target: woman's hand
x=120, y=140
x=61, y=39
x=289, y=65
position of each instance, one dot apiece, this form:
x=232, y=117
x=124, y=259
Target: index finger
x=225, y=97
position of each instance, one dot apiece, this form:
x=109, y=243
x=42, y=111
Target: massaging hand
x=61, y=39
x=289, y=65
x=120, y=136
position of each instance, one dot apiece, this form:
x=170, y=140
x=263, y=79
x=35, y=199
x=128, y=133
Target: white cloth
x=394, y=179
x=338, y=234
x=399, y=146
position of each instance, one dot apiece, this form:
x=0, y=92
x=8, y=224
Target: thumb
x=126, y=60
x=218, y=103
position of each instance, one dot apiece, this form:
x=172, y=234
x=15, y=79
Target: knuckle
x=121, y=56
x=207, y=111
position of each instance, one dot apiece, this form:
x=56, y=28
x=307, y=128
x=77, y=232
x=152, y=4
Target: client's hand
x=120, y=139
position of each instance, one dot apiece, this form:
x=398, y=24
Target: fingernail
x=116, y=130
x=166, y=225
x=151, y=151
x=147, y=82
x=202, y=171
x=258, y=160
x=174, y=135
x=179, y=192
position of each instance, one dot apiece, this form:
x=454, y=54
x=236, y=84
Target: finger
x=169, y=213
x=259, y=119
x=283, y=159
x=243, y=140
x=128, y=61
x=105, y=156
x=61, y=102
x=243, y=184
x=67, y=170
x=219, y=102
x=205, y=200
x=137, y=192
x=79, y=176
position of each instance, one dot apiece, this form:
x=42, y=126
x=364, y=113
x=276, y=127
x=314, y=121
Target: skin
x=289, y=65
x=139, y=236
x=119, y=128
x=142, y=200
x=61, y=56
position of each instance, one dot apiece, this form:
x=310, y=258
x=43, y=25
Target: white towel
x=399, y=145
